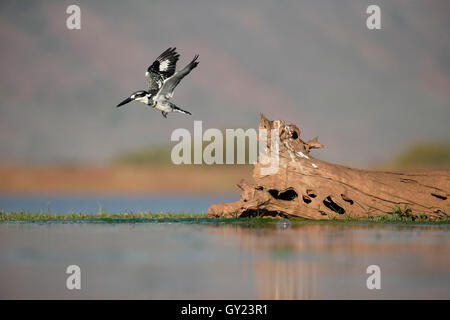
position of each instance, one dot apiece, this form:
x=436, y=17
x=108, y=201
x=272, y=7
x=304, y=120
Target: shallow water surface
x=208, y=261
x=93, y=203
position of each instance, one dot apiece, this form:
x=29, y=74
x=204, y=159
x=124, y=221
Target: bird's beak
x=124, y=102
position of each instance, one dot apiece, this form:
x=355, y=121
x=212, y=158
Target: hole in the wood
x=306, y=199
x=287, y=195
x=439, y=196
x=311, y=193
x=333, y=206
x=346, y=199
x=323, y=213
x=262, y=213
x=294, y=135
x=259, y=188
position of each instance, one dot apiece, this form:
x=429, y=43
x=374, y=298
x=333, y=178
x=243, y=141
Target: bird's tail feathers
x=177, y=109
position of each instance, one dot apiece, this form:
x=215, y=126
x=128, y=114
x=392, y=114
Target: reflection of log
x=314, y=189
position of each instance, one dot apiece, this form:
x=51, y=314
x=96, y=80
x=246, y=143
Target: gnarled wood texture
x=310, y=188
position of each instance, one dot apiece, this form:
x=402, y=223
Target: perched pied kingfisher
x=162, y=80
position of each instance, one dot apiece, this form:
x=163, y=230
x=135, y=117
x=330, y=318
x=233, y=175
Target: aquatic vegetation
x=398, y=216
x=101, y=216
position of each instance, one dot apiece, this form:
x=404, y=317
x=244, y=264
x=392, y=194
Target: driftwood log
x=313, y=189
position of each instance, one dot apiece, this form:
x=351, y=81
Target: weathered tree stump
x=310, y=188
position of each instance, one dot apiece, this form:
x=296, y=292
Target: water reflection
x=318, y=260
x=197, y=261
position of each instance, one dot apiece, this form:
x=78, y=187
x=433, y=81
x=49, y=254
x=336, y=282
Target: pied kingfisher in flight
x=162, y=80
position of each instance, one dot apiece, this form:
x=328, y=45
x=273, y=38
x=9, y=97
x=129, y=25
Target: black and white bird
x=162, y=80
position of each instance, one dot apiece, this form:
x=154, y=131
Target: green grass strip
x=143, y=217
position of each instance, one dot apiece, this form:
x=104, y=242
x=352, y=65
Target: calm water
x=91, y=204
x=205, y=261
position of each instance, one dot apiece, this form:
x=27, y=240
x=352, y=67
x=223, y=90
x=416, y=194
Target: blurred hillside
x=150, y=171
x=161, y=154
x=313, y=63
x=422, y=156
x=157, y=155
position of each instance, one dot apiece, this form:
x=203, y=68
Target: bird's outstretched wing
x=162, y=68
x=169, y=84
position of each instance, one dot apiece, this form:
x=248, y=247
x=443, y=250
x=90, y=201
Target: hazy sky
x=366, y=93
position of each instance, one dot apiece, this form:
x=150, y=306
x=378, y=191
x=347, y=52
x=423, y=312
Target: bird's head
x=140, y=95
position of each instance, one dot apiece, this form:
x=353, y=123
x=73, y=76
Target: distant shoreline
x=111, y=180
